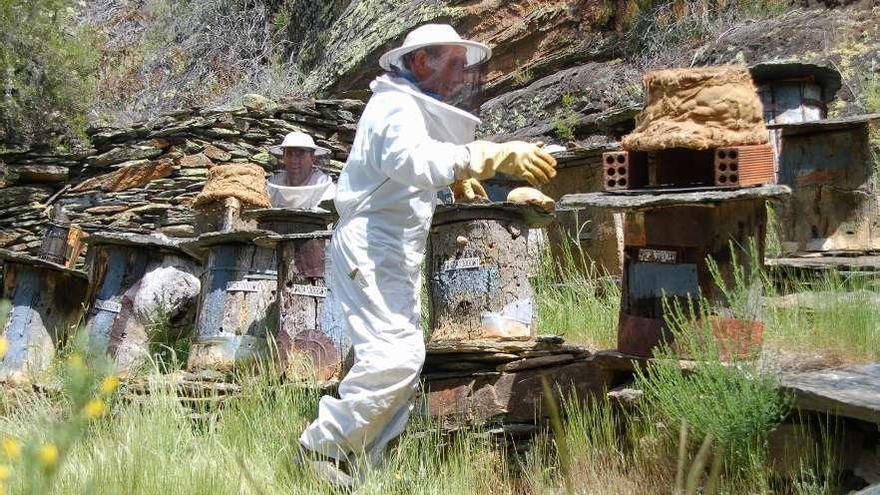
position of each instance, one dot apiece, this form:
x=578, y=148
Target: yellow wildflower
x=95, y=408
x=109, y=384
x=75, y=361
x=4, y=472
x=11, y=448
x=48, y=455
x=4, y=346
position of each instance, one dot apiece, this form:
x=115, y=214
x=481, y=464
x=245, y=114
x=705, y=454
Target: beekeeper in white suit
x=410, y=143
x=299, y=184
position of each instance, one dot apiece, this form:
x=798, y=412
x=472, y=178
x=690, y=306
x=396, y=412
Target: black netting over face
x=442, y=72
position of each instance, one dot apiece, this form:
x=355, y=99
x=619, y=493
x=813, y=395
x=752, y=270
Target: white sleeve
x=410, y=156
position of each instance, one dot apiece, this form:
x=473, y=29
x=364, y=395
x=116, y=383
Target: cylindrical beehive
x=140, y=283
x=236, y=310
x=47, y=301
x=478, y=272
x=310, y=325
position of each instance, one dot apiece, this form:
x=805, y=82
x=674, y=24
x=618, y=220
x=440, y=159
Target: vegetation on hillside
x=47, y=69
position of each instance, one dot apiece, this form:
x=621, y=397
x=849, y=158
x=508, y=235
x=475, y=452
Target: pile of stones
x=143, y=178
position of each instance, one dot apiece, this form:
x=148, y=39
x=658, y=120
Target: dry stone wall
x=144, y=178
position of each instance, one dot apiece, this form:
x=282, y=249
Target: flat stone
x=513, y=397
x=41, y=173
x=216, y=154
x=123, y=154
x=625, y=395
x=106, y=210
x=199, y=160
x=193, y=172
x=17, y=195
x=538, y=362
x=852, y=392
x=129, y=177
x=262, y=158
x=218, y=132
x=639, y=200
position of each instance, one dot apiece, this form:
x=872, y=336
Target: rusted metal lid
x=531, y=215
x=28, y=260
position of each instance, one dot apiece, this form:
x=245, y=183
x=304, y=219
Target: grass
x=828, y=315
x=657, y=30
x=702, y=432
x=575, y=300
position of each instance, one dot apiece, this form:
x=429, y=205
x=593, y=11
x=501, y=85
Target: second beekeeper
x=299, y=184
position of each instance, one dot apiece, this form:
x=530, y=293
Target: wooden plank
x=843, y=263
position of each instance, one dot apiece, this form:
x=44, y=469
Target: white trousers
x=381, y=310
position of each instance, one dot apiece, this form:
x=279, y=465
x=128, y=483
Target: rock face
x=144, y=178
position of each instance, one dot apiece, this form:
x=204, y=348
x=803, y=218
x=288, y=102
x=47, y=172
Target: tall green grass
x=828, y=315
x=575, y=299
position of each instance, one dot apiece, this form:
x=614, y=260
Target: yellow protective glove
x=516, y=158
x=531, y=196
x=468, y=191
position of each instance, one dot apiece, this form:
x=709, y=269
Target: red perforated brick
x=744, y=165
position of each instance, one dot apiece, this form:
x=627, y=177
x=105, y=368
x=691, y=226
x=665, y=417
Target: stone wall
x=143, y=178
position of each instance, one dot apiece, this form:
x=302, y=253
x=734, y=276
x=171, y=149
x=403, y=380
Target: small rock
x=216, y=154
x=199, y=160
x=263, y=158
x=258, y=103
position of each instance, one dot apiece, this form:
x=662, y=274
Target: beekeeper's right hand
x=516, y=158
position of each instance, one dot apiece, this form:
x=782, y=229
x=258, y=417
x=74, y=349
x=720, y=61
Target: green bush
x=730, y=398
x=48, y=65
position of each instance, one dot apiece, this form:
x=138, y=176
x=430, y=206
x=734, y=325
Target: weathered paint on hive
x=237, y=307
x=46, y=303
x=835, y=204
x=305, y=328
x=478, y=276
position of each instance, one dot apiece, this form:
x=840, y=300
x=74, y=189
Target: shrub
x=47, y=64
x=733, y=400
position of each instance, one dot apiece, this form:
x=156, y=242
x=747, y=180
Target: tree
x=47, y=67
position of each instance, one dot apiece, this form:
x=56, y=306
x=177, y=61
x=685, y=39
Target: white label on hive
x=243, y=286
x=461, y=264
x=308, y=290
x=657, y=256
x=112, y=307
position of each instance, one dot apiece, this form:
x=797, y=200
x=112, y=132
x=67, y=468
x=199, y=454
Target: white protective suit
x=407, y=147
x=318, y=188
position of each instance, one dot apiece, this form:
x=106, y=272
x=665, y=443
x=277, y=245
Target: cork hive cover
x=244, y=181
x=698, y=108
